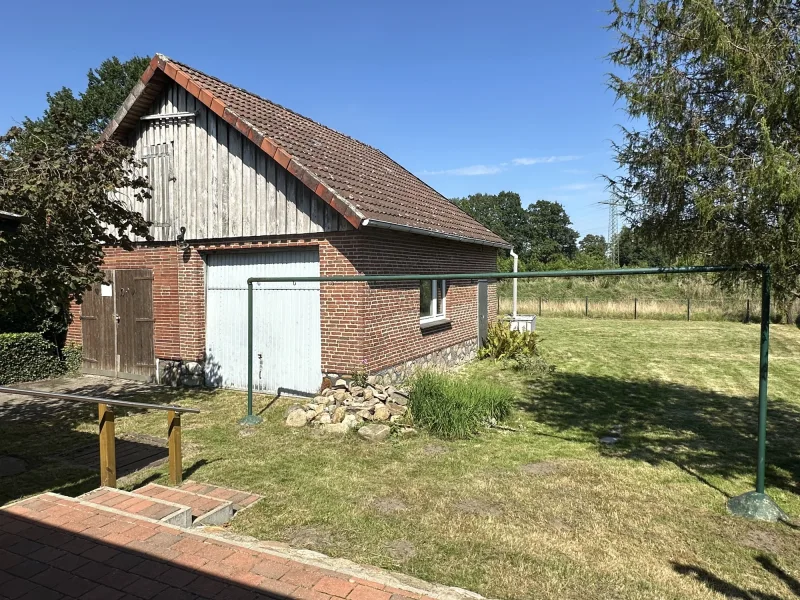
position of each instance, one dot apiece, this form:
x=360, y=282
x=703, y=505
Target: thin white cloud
x=577, y=187
x=474, y=170
x=469, y=171
x=539, y=160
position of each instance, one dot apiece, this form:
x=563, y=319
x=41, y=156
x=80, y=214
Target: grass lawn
x=545, y=512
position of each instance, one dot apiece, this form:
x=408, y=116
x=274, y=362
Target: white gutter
x=439, y=234
x=514, y=284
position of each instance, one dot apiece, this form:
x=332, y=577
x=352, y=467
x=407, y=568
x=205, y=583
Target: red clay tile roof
x=360, y=181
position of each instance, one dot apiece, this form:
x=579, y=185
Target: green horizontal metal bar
x=506, y=275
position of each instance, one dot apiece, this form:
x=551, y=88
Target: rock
x=407, y=431
x=368, y=394
x=399, y=397
x=381, y=413
x=310, y=414
x=324, y=419
x=395, y=418
x=294, y=407
x=338, y=414
x=296, y=418
x=340, y=395
x=381, y=396
x=374, y=432
x=372, y=380
x=609, y=440
x=335, y=428
x=341, y=384
x=356, y=390
x=328, y=392
x=364, y=414
x=396, y=409
x=319, y=409
x=350, y=421
x=320, y=400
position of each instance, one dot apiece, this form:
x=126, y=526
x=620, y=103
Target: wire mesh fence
x=691, y=309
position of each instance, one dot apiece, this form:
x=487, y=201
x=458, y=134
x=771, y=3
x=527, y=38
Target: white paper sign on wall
x=105, y=290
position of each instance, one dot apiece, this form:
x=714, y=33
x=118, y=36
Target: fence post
x=108, y=458
x=688, y=309
x=174, y=443
x=747, y=312
x=635, y=307
x=540, y=305
x=586, y=311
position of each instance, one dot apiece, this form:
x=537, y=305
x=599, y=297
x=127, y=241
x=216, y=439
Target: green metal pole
x=250, y=418
x=763, y=375
x=757, y=504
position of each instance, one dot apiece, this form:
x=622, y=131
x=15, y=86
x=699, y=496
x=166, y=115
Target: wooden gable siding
x=216, y=183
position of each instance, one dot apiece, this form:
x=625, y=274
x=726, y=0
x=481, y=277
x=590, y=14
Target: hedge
x=28, y=357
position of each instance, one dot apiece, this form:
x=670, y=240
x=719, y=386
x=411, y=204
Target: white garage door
x=286, y=326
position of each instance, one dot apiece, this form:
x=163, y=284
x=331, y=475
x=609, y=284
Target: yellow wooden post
x=108, y=457
x=174, y=443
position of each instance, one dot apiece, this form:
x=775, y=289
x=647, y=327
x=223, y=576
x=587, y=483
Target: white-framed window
x=432, y=301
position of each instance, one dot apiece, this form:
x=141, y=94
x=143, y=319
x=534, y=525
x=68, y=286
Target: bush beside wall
x=28, y=357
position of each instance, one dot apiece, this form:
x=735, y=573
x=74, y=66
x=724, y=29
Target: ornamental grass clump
x=454, y=408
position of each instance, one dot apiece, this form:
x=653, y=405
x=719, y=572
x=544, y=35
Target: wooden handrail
x=105, y=406
x=107, y=401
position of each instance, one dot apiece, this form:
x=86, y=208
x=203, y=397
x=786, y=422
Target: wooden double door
x=117, y=324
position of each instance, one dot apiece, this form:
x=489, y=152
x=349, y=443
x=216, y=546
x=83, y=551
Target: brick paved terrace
x=54, y=547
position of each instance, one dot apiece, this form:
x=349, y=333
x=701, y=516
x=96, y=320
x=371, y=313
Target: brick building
x=242, y=187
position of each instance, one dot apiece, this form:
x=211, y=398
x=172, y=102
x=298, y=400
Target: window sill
x=429, y=322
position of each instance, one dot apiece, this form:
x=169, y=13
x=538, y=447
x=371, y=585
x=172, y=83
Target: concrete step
x=139, y=505
x=238, y=498
x=205, y=510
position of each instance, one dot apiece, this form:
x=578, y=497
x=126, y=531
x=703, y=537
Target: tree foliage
x=107, y=87
x=713, y=171
x=54, y=172
x=541, y=233
x=550, y=232
x=502, y=213
x=594, y=245
x=636, y=251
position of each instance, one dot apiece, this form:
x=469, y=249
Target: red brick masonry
x=52, y=547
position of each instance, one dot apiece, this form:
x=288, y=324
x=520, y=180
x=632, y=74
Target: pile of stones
x=344, y=406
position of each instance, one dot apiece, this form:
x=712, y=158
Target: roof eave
x=438, y=234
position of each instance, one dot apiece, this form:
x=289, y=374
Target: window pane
x=425, y=298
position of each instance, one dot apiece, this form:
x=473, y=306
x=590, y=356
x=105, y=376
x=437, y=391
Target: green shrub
x=28, y=357
x=73, y=358
x=453, y=408
x=503, y=343
x=533, y=365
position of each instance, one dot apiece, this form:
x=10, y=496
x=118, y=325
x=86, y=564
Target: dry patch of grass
x=546, y=512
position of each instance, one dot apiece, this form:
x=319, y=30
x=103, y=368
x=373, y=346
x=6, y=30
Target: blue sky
x=471, y=96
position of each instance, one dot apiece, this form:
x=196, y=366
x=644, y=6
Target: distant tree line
x=543, y=237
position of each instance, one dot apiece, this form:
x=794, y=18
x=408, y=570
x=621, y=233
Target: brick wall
x=392, y=332
x=379, y=322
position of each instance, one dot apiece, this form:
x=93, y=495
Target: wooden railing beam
x=108, y=457
x=174, y=444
